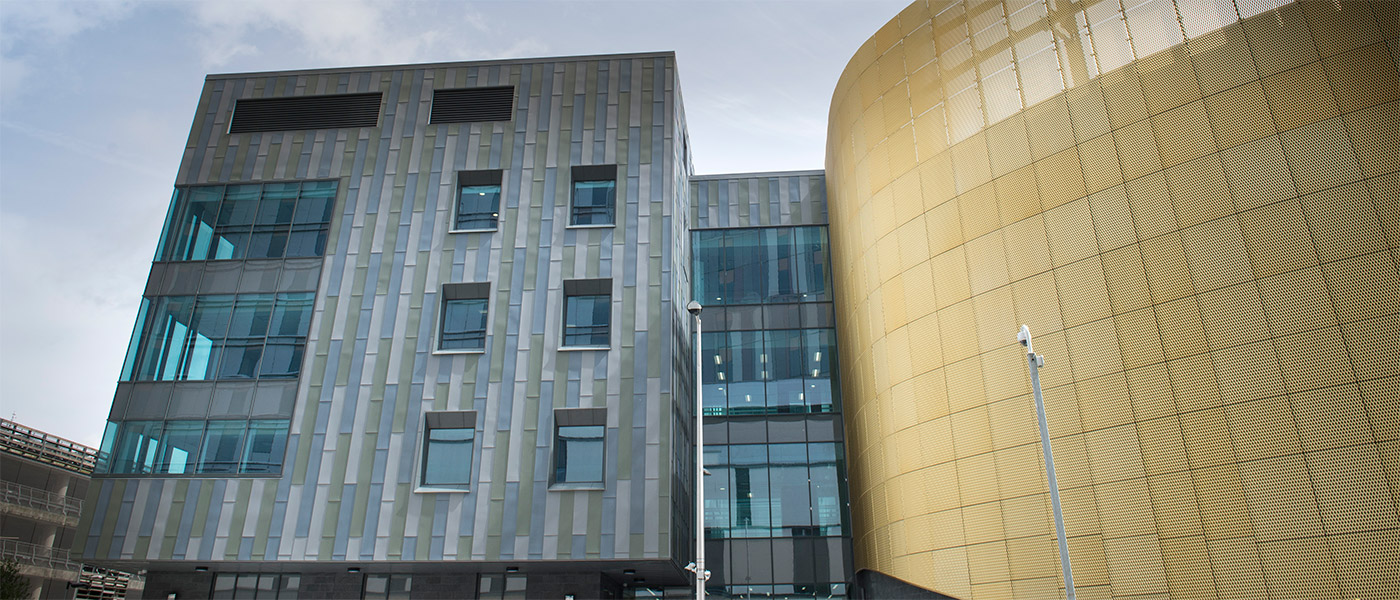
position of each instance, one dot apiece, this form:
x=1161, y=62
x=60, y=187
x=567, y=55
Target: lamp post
x=701, y=575
x=1036, y=362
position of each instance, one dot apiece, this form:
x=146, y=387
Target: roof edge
x=758, y=174
x=438, y=65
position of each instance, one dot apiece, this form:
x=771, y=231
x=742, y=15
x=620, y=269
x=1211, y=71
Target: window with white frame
x=464, y=316
x=449, y=441
x=478, y=201
x=593, y=199
x=587, y=313
x=579, y=441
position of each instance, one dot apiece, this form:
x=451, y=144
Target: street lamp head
x=694, y=307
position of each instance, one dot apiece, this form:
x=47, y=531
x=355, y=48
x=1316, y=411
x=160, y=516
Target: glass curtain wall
x=775, y=502
x=220, y=336
x=230, y=222
x=196, y=446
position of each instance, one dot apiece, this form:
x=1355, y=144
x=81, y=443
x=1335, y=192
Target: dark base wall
x=426, y=586
x=329, y=586
x=160, y=584
x=586, y=586
x=443, y=587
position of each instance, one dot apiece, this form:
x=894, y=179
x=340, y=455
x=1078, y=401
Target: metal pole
x=700, y=574
x=1036, y=361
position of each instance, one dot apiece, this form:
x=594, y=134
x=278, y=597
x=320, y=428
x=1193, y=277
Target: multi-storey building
x=418, y=331
x=45, y=478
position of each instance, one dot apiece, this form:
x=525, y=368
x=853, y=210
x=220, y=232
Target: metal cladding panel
x=758, y=200
x=1195, y=213
x=347, y=492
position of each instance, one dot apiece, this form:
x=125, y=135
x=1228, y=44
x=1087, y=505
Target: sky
x=97, y=96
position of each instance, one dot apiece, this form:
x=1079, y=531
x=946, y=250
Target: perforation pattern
x=1212, y=276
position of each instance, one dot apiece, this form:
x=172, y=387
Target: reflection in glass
x=766, y=490
x=768, y=265
x=748, y=370
x=267, y=442
x=593, y=203
x=184, y=447
x=779, y=269
x=792, y=502
x=222, y=442
x=743, y=262
x=463, y=324
x=478, y=207
x=751, y=492
x=220, y=336
x=179, y=446
x=707, y=251
x=136, y=447
x=578, y=454
x=248, y=221
x=714, y=364
x=786, y=368
x=447, y=456
x=769, y=372
x=586, y=320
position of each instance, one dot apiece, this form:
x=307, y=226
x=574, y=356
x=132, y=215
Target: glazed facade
x=777, y=523
x=391, y=350
x=1193, y=205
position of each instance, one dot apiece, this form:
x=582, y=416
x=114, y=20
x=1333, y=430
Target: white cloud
x=27, y=27
x=84, y=148
x=338, y=33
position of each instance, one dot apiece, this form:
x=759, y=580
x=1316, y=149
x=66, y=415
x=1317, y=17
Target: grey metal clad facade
x=349, y=489
x=758, y=199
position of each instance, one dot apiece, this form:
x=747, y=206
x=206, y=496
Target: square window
x=448, y=444
x=578, y=445
x=587, y=312
x=464, y=316
x=478, y=200
x=265, y=446
x=594, y=198
x=223, y=444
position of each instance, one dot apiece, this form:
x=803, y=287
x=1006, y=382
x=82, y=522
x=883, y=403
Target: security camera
x=694, y=307
x=1024, y=335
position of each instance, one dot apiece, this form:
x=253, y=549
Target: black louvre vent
x=305, y=112
x=473, y=105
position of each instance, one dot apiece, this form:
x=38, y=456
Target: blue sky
x=96, y=97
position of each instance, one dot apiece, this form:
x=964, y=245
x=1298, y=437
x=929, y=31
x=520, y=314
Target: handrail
x=37, y=555
x=47, y=448
x=32, y=497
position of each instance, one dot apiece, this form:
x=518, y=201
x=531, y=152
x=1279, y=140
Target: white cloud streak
x=339, y=33
x=30, y=27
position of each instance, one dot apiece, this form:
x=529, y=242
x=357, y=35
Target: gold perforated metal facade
x=1195, y=206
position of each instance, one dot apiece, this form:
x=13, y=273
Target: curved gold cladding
x=1203, y=240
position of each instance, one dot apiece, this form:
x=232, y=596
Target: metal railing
x=44, y=500
x=43, y=447
x=97, y=583
x=26, y=553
